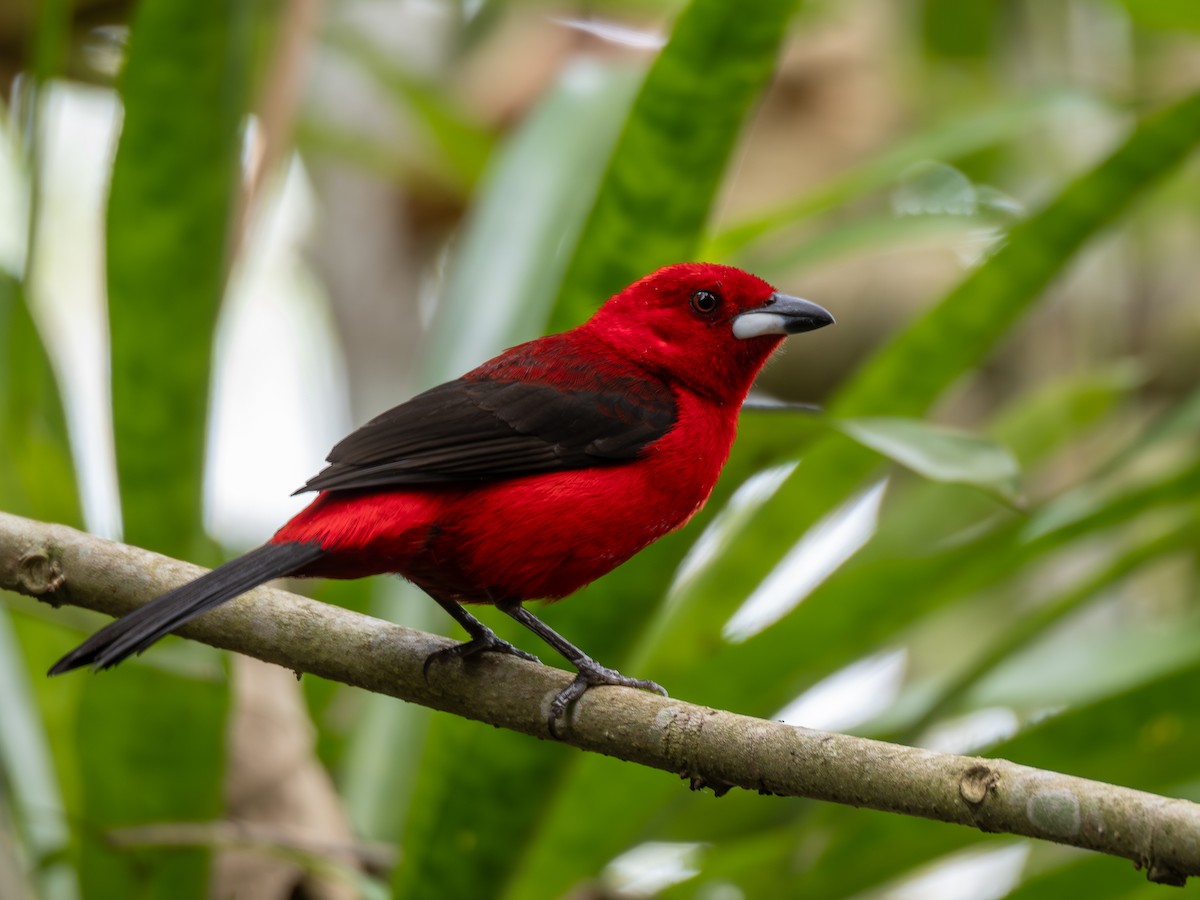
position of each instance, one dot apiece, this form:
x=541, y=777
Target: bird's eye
x=705, y=302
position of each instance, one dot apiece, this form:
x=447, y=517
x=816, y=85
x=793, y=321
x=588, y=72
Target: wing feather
x=485, y=429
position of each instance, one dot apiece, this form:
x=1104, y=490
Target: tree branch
x=709, y=747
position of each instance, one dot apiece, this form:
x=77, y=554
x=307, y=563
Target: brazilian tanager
x=528, y=477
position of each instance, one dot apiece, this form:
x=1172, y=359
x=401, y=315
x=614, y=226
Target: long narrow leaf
x=170, y=210
x=37, y=478
x=27, y=769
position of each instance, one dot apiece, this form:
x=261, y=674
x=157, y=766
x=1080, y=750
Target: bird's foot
x=484, y=642
x=592, y=674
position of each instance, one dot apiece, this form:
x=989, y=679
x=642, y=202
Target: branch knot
x=39, y=574
x=976, y=782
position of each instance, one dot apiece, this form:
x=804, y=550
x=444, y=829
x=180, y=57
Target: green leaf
x=37, y=478
x=1055, y=414
x=960, y=31
x=1031, y=627
x=27, y=770
x=1092, y=658
x=1168, y=14
x=170, y=211
x=145, y=762
x=508, y=265
x=171, y=219
x=1090, y=875
x=1181, y=423
x=687, y=118
x=51, y=39
x=939, y=453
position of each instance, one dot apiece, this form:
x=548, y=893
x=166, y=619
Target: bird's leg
x=591, y=673
x=483, y=639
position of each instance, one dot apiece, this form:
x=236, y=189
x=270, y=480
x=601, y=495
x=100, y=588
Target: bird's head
x=710, y=326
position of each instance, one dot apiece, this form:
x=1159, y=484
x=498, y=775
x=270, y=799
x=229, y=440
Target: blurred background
x=231, y=231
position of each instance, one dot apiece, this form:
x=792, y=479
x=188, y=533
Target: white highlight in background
x=850, y=696
x=972, y=732
x=746, y=500
x=279, y=394
x=66, y=281
x=819, y=553
x=615, y=33
x=652, y=867
x=970, y=875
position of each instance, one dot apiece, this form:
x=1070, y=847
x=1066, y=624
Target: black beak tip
x=800, y=315
x=801, y=324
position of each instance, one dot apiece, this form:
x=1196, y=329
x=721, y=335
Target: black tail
x=136, y=631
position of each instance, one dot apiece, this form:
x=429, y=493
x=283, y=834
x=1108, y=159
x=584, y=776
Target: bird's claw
x=483, y=643
x=591, y=676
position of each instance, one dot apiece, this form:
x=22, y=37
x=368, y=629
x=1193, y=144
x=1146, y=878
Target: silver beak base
x=781, y=314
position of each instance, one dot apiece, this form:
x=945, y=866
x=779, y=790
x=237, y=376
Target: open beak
x=781, y=314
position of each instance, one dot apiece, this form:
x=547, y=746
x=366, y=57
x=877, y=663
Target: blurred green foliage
x=1032, y=563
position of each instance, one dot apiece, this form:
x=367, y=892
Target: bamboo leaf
x=938, y=453
x=159, y=762
x=171, y=207
x=1181, y=14
x=28, y=773
x=508, y=265
x=37, y=478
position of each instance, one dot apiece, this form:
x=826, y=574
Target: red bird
x=528, y=477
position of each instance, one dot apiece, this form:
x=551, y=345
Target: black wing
x=486, y=430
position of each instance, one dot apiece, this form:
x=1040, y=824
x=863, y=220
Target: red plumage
x=532, y=475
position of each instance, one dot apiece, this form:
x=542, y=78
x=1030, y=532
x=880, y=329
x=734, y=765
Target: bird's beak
x=781, y=314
